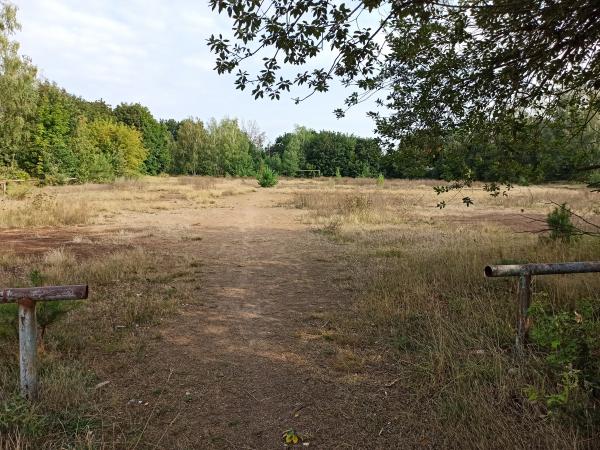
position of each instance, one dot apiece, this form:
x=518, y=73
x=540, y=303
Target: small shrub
x=12, y=172
x=560, y=224
x=594, y=180
x=380, y=180
x=267, y=177
x=17, y=414
x=47, y=313
x=338, y=175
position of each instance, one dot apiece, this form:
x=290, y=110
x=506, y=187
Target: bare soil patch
x=246, y=360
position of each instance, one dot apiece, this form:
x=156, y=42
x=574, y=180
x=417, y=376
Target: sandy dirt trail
x=247, y=360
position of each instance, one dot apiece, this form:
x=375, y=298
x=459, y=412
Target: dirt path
x=247, y=360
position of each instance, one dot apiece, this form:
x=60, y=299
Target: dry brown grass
x=350, y=208
x=29, y=206
x=42, y=209
x=445, y=330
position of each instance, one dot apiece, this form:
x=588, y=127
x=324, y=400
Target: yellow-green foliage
x=108, y=149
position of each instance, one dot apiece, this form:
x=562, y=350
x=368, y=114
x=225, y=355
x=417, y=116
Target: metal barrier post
x=27, y=298
x=525, y=272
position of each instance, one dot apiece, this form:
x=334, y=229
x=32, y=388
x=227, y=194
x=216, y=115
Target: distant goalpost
x=309, y=173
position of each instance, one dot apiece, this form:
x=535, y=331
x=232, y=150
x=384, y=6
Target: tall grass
x=447, y=332
x=41, y=209
x=28, y=206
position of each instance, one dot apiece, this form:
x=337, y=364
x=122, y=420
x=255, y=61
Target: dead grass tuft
x=334, y=209
x=42, y=209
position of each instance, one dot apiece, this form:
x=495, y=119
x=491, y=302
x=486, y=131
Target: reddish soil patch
x=83, y=242
x=38, y=241
x=531, y=222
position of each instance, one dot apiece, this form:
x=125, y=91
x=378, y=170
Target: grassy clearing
x=41, y=209
x=423, y=312
x=444, y=331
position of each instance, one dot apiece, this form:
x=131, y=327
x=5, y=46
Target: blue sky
x=154, y=52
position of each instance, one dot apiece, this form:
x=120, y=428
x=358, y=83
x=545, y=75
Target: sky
x=154, y=52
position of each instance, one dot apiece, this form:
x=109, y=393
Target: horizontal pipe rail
x=28, y=342
x=44, y=293
x=525, y=272
x=515, y=270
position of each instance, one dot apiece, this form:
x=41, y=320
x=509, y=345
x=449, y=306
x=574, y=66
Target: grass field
x=222, y=314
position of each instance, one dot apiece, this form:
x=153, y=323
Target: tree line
x=48, y=133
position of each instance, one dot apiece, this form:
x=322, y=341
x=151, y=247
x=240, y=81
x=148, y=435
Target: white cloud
x=202, y=23
x=82, y=21
x=204, y=63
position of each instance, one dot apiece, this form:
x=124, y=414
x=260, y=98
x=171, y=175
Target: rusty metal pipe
x=44, y=293
x=514, y=270
x=525, y=272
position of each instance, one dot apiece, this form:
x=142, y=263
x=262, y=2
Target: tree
x=93, y=110
x=50, y=150
x=217, y=149
x=290, y=148
x=290, y=162
x=229, y=148
x=433, y=64
x=189, y=149
x=172, y=126
x=106, y=149
x=367, y=158
x=156, y=136
x=329, y=151
x=521, y=151
x=257, y=137
x=17, y=89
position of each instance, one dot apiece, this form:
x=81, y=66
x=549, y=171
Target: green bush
x=267, y=177
x=560, y=224
x=568, y=342
x=12, y=172
x=594, y=180
x=380, y=180
x=17, y=414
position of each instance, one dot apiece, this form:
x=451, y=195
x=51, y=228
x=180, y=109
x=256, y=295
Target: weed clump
x=267, y=177
x=568, y=343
